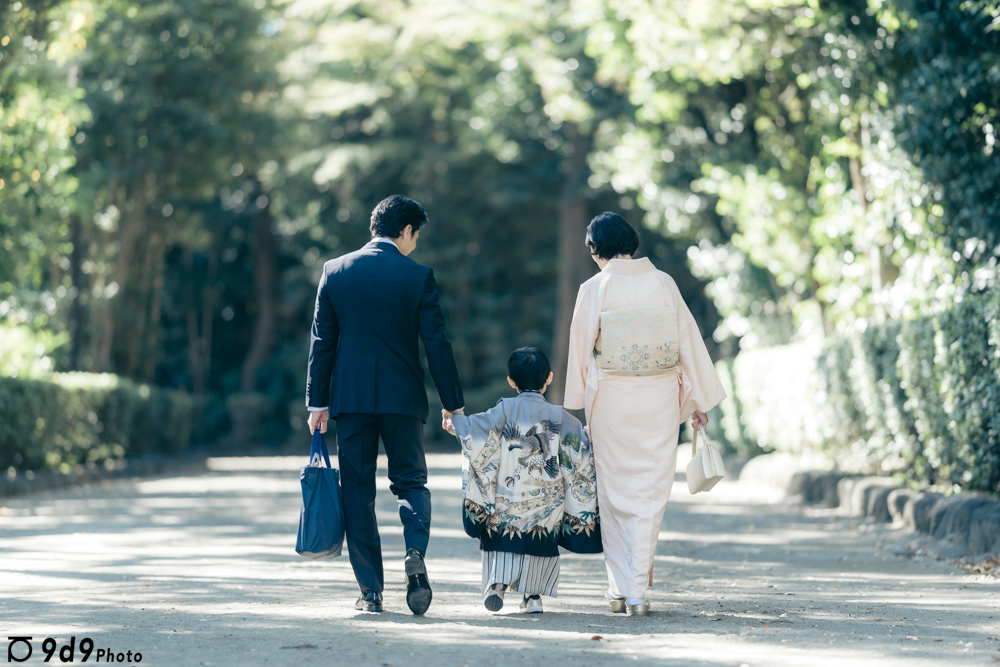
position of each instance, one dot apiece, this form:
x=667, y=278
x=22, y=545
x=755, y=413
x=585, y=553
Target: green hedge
x=919, y=398
x=80, y=418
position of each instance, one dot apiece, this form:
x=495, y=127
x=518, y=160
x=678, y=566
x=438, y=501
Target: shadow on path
x=202, y=569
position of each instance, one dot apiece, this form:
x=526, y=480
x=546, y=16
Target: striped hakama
x=526, y=574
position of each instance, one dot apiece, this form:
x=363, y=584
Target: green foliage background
x=918, y=398
x=174, y=174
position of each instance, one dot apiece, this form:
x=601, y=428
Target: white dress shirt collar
x=382, y=239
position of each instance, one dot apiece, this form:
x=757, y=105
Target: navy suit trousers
x=357, y=439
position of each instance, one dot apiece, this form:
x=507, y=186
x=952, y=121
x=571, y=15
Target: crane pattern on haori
x=530, y=473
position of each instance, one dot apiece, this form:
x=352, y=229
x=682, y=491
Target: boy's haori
x=531, y=482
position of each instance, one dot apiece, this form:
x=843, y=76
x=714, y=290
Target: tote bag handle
x=318, y=450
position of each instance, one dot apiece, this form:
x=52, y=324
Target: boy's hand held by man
x=446, y=420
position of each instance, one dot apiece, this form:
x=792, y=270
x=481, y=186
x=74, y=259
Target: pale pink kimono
x=634, y=420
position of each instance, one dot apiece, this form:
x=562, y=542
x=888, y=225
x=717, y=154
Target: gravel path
x=200, y=570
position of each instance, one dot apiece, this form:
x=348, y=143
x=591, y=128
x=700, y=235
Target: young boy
x=530, y=486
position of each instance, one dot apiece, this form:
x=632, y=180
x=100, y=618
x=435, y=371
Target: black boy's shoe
x=418, y=589
x=369, y=601
x=494, y=597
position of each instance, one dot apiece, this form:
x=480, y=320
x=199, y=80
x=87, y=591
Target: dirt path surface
x=201, y=570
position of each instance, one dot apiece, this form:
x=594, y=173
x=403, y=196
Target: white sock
x=634, y=601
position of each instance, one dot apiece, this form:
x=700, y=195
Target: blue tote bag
x=321, y=522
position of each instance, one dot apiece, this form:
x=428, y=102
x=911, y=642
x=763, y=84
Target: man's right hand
x=318, y=420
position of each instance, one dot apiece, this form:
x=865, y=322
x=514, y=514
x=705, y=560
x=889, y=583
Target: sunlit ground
x=201, y=570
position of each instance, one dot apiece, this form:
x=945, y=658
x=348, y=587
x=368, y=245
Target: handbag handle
x=319, y=447
x=694, y=442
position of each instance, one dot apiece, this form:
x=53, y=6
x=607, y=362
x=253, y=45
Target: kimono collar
x=533, y=395
x=641, y=265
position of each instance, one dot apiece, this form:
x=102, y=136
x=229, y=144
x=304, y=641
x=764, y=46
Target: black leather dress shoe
x=418, y=588
x=369, y=601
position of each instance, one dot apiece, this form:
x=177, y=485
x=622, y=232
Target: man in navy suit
x=372, y=306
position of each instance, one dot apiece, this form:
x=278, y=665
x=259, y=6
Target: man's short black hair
x=393, y=214
x=529, y=368
x=610, y=235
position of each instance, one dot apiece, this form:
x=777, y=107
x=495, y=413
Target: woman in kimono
x=529, y=486
x=639, y=368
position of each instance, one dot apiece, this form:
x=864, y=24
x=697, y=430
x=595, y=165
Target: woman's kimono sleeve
x=582, y=337
x=581, y=527
x=480, y=438
x=701, y=388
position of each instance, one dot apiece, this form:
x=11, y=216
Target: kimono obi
x=638, y=341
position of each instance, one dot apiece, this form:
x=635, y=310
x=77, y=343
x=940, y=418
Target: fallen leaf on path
x=302, y=646
x=941, y=640
x=765, y=625
x=598, y=638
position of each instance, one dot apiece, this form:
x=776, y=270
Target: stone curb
x=970, y=522
x=24, y=482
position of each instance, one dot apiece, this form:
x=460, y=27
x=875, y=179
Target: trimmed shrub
x=771, y=400
x=917, y=398
x=81, y=418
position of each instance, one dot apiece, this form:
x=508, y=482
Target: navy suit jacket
x=372, y=306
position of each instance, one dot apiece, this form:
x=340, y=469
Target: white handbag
x=706, y=468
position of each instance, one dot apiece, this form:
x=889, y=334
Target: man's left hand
x=446, y=419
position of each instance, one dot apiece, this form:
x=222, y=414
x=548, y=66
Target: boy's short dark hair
x=393, y=214
x=529, y=368
x=610, y=235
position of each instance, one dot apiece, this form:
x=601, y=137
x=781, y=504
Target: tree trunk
x=200, y=337
x=139, y=299
x=106, y=318
x=860, y=185
x=194, y=353
x=265, y=278
x=208, y=315
x=152, y=342
x=574, y=217
x=76, y=305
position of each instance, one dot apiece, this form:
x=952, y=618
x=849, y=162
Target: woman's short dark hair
x=393, y=214
x=610, y=235
x=529, y=368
